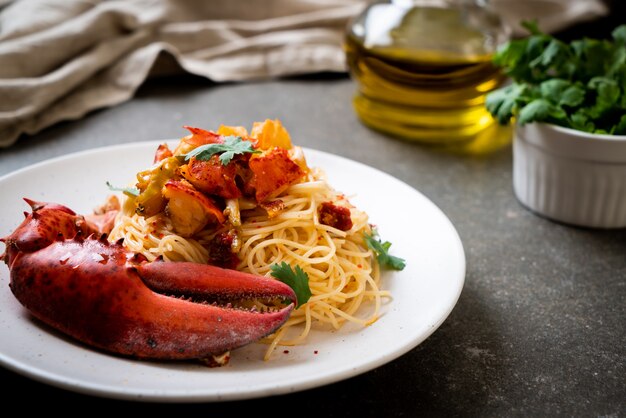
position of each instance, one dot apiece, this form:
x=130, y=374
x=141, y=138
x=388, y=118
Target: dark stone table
x=539, y=329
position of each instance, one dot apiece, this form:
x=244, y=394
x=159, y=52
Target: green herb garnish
x=579, y=85
x=132, y=191
x=297, y=279
x=381, y=249
x=231, y=146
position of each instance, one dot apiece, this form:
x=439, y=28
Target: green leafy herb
x=579, y=85
x=231, y=146
x=381, y=249
x=297, y=279
x=133, y=191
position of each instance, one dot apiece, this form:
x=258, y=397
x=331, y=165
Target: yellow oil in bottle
x=423, y=72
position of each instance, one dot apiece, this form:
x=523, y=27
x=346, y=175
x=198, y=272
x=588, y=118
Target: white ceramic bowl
x=571, y=176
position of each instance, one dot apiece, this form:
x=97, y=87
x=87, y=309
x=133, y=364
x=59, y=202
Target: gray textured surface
x=539, y=328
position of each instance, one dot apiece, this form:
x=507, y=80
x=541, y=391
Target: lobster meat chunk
x=69, y=276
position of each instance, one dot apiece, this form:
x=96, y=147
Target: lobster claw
x=102, y=295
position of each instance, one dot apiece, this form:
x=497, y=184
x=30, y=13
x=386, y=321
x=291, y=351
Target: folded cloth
x=60, y=59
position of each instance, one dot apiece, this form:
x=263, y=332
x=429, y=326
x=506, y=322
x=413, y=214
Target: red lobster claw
x=104, y=296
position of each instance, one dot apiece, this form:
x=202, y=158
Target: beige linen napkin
x=60, y=59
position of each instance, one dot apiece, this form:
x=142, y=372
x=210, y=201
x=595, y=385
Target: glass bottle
x=423, y=68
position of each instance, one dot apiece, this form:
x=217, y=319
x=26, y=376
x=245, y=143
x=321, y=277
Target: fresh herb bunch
x=579, y=85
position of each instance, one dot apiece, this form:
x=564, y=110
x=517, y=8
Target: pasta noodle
x=342, y=272
x=287, y=213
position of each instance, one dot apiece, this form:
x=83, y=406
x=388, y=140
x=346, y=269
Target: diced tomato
x=335, y=216
x=220, y=250
x=273, y=172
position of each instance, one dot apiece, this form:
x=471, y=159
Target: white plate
x=423, y=294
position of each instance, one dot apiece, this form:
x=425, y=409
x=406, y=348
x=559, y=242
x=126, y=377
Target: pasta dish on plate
x=249, y=201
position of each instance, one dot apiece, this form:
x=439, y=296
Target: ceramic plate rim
x=92, y=388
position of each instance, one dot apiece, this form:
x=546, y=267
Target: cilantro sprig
x=231, y=146
x=133, y=191
x=381, y=249
x=297, y=279
x=579, y=85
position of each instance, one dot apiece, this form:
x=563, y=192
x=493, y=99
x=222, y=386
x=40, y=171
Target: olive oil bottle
x=423, y=69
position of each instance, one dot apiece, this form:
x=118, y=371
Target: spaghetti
x=343, y=272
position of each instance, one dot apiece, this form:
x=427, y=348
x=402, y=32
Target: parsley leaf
x=607, y=94
x=381, y=249
x=619, y=34
x=132, y=191
x=579, y=85
x=231, y=146
x=620, y=129
x=540, y=109
x=580, y=121
x=503, y=103
x=572, y=96
x=297, y=279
